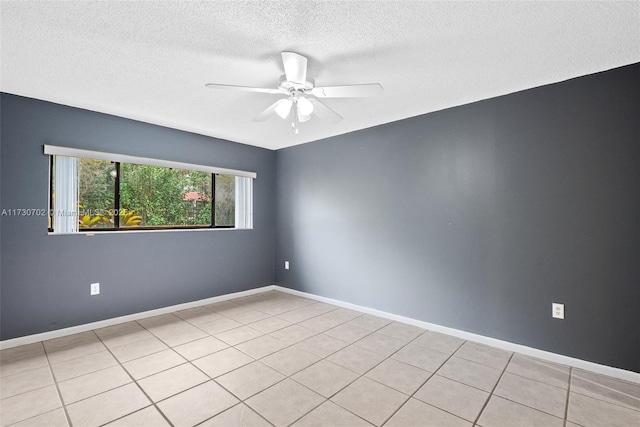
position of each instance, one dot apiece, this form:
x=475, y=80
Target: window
x=101, y=191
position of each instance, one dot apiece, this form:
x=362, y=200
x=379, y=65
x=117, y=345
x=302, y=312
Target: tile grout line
x=425, y=381
x=566, y=405
x=290, y=346
x=493, y=390
x=243, y=401
x=240, y=401
x=55, y=383
x=137, y=385
x=328, y=399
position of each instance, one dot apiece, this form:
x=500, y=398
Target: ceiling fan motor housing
x=289, y=86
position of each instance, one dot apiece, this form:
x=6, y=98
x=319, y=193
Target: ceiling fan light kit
x=301, y=102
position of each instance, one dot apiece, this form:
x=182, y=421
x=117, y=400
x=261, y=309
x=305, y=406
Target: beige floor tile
x=238, y=416
x=55, y=418
x=15, y=365
x=401, y=331
x=118, y=329
x=539, y=370
x=269, y=325
x=285, y=402
x=69, y=340
x=421, y=357
x=200, y=348
x=197, y=404
x=250, y=379
x=293, y=334
x=182, y=335
x=221, y=362
x=198, y=315
x=505, y=413
x=441, y=342
x=262, y=346
x=322, y=345
x=347, y=333
x=73, y=351
x=606, y=388
x=175, y=327
x=483, y=354
x=380, y=344
x=330, y=414
x=370, y=400
x=343, y=315
x=83, y=365
x=470, y=373
x=222, y=305
x=125, y=337
x=159, y=321
x=26, y=381
x=417, y=413
x=322, y=323
x=29, y=404
x=290, y=360
x=286, y=305
x=325, y=378
x=459, y=399
x=261, y=305
x=369, y=322
x=147, y=417
x=356, y=359
x=219, y=325
x=136, y=350
x=307, y=312
x=249, y=316
x=22, y=351
x=540, y=396
x=238, y=335
x=94, y=383
x=228, y=308
x=172, y=381
x=154, y=363
x=399, y=376
x=591, y=412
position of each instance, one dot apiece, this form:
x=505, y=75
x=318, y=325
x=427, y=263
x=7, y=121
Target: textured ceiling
x=149, y=61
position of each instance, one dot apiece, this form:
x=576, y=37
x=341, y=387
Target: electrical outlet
x=95, y=288
x=286, y=265
x=557, y=310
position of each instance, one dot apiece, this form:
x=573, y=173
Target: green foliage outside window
x=152, y=196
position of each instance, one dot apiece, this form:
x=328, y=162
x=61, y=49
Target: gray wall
x=480, y=216
x=45, y=279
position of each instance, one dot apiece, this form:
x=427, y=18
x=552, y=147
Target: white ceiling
x=149, y=61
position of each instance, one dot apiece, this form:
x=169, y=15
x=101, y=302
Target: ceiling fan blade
x=348, y=91
x=324, y=112
x=295, y=67
x=270, y=111
x=243, y=88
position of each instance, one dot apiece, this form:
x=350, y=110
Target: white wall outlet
x=286, y=265
x=95, y=288
x=557, y=310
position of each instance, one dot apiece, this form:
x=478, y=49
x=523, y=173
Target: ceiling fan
x=301, y=94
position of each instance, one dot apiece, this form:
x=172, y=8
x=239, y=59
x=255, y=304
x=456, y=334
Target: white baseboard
x=505, y=345
x=30, y=339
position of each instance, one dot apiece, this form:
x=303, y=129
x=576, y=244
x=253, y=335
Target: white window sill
x=96, y=233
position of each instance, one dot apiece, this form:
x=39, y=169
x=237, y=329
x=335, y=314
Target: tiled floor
x=277, y=359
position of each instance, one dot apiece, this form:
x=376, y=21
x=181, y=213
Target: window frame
x=53, y=151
